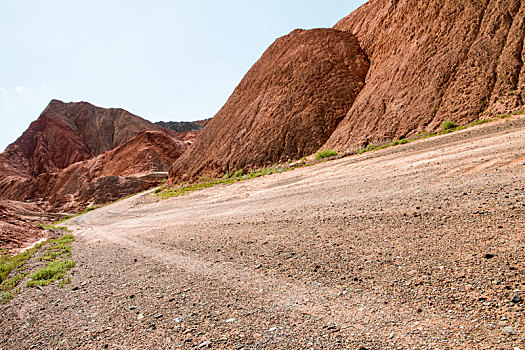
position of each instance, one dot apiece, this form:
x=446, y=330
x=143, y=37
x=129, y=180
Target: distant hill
x=74, y=144
x=181, y=126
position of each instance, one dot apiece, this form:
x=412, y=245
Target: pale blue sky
x=162, y=60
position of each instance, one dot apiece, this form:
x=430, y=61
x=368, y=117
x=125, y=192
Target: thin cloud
x=19, y=88
x=3, y=91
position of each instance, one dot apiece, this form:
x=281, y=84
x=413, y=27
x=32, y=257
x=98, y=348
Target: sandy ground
x=420, y=246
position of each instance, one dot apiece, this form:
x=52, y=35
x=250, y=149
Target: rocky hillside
x=429, y=62
x=286, y=106
x=128, y=169
x=181, y=126
x=66, y=133
x=72, y=145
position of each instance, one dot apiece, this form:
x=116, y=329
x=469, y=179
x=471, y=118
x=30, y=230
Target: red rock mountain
x=429, y=62
x=128, y=169
x=73, y=148
x=66, y=133
x=286, y=106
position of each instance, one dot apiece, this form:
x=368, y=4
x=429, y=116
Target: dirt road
x=418, y=246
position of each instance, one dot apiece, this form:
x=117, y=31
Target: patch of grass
x=400, y=142
x=12, y=282
x=10, y=263
x=480, y=121
x=7, y=296
x=448, y=125
x=12, y=267
x=51, y=255
x=512, y=92
x=53, y=227
x=518, y=112
x=58, y=247
x=238, y=173
x=50, y=273
x=64, y=281
x=327, y=153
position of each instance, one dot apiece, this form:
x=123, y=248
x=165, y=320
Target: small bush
x=480, y=121
x=90, y=209
x=325, y=154
x=49, y=274
x=400, y=142
x=238, y=173
x=448, y=125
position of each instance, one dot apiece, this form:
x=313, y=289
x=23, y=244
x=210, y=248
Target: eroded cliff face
x=286, y=107
x=431, y=62
x=112, y=175
x=424, y=62
x=77, y=154
x=66, y=133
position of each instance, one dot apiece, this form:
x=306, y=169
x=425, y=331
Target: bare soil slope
x=286, y=106
x=431, y=62
x=417, y=246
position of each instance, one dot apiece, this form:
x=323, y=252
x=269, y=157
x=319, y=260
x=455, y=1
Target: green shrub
x=238, y=173
x=325, y=154
x=49, y=274
x=448, y=125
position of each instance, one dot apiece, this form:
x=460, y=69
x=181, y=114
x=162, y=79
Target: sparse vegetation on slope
x=447, y=125
x=226, y=179
x=327, y=153
x=53, y=271
x=13, y=269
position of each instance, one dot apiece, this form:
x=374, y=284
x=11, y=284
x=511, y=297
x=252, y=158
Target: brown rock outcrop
x=19, y=224
x=181, y=127
x=431, y=62
x=109, y=176
x=286, y=106
x=69, y=134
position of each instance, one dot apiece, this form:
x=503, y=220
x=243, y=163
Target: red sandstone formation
x=286, y=106
x=431, y=62
x=128, y=169
x=66, y=133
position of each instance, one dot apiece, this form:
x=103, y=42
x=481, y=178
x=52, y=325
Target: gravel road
x=420, y=246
